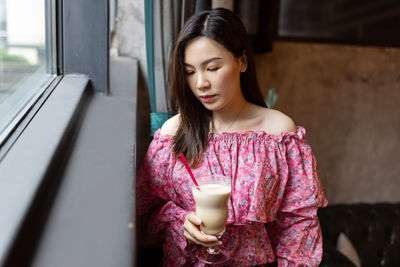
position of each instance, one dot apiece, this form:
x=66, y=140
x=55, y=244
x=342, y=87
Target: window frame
x=30, y=158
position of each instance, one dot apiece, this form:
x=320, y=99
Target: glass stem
x=213, y=251
x=216, y=250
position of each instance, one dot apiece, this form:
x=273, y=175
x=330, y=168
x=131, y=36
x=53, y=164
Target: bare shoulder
x=170, y=126
x=276, y=122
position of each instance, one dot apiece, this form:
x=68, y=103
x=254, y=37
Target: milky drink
x=212, y=207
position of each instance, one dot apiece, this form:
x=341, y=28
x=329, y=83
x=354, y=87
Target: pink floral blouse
x=274, y=199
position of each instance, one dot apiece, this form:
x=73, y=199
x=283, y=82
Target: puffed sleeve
x=156, y=202
x=295, y=234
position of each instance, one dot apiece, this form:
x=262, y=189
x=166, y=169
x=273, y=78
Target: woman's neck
x=224, y=120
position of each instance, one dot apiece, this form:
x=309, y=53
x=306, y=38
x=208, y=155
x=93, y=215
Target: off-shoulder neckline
x=298, y=133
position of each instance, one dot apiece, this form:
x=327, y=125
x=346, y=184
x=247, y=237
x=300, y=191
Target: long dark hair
x=224, y=27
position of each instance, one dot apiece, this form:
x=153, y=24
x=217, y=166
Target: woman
x=223, y=127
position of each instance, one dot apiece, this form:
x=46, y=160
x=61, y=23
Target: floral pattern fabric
x=275, y=194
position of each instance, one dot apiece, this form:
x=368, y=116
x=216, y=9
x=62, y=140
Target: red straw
x=188, y=169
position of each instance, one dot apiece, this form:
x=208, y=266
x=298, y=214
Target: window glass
x=27, y=53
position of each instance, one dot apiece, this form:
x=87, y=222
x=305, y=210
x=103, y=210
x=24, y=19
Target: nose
x=202, y=82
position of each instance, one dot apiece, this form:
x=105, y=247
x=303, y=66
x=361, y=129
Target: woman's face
x=213, y=74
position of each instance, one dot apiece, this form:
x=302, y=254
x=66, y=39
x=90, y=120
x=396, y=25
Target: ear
x=243, y=62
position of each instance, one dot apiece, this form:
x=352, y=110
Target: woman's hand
x=195, y=236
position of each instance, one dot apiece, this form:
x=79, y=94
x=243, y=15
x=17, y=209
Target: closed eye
x=189, y=73
x=212, y=69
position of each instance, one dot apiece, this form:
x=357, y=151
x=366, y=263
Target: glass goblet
x=211, y=198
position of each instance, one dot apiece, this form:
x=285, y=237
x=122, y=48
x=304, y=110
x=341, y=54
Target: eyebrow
x=205, y=62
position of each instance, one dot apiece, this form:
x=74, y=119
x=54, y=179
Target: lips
x=207, y=98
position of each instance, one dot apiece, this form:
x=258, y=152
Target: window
x=36, y=158
x=27, y=57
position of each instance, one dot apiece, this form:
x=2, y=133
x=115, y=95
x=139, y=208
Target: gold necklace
x=233, y=121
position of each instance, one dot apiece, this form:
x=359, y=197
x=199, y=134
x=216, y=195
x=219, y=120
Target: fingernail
x=213, y=238
x=198, y=221
x=219, y=243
